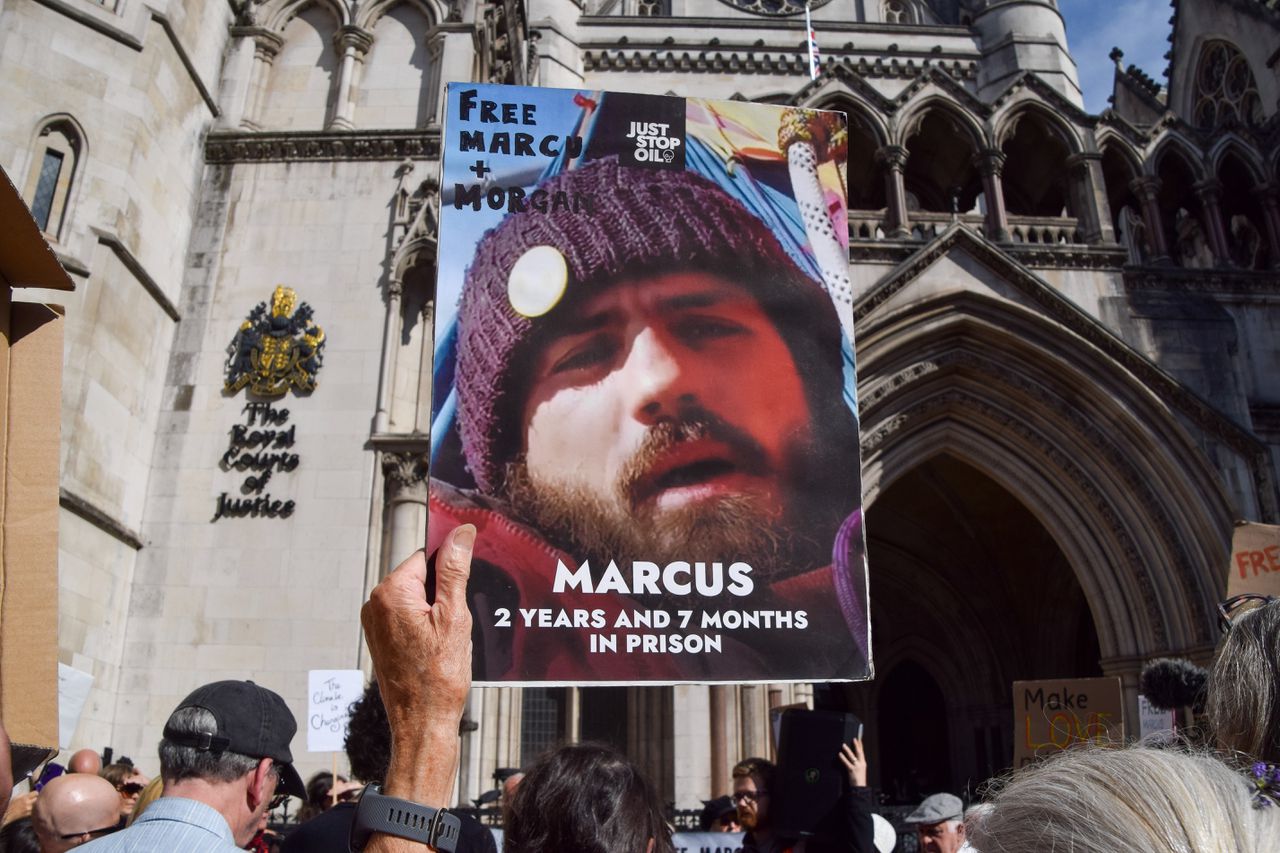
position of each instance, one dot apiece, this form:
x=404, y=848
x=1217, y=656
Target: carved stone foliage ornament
x=276, y=348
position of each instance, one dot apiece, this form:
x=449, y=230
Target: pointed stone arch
x=1006, y=121
x=1038, y=147
x=278, y=14
x=1237, y=175
x=1121, y=166
x=1187, y=226
x=1175, y=144
x=1229, y=144
x=368, y=15
x=940, y=171
x=913, y=113
x=1030, y=399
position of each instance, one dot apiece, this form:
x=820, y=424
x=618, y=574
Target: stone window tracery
x=1225, y=88
x=897, y=12
x=651, y=8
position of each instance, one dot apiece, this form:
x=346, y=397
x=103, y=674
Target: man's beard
x=734, y=527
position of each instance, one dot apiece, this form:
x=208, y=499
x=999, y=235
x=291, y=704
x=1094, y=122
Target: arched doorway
x=970, y=592
x=1036, y=506
x=912, y=733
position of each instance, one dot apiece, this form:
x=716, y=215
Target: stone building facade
x=1067, y=326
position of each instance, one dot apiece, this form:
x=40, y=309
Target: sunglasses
x=280, y=796
x=94, y=833
x=1239, y=604
x=131, y=789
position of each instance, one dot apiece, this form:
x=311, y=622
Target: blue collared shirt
x=171, y=824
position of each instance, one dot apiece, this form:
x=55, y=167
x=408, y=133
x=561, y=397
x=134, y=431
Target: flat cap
x=936, y=808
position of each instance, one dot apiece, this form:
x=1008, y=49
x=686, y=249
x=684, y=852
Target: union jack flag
x=815, y=61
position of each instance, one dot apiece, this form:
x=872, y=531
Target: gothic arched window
x=1225, y=88
x=897, y=12
x=54, y=164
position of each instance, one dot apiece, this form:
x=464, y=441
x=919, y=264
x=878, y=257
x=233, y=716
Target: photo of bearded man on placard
x=648, y=376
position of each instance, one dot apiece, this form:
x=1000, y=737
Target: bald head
x=510, y=784
x=76, y=805
x=84, y=761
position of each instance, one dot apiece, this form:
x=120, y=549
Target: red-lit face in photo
x=664, y=403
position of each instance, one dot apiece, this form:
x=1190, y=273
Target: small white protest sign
x=330, y=693
x=73, y=693
x=1151, y=719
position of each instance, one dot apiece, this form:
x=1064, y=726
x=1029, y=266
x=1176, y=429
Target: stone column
x=452, y=48
x=234, y=81
x=390, y=336
x=1268, y=196
x=435, y=59
x=1088, y=194
x=1208, y=192
x=406, y=481
x=990, y=162
x=266, y=46
x=753, y=702
x=649, y=735
x=721, y=761
x=894, y=158
x=1147, y=188
x=352, y=44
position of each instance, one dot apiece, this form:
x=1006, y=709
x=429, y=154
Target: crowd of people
x=225, y=763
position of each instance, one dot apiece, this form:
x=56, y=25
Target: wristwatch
x=404, y=819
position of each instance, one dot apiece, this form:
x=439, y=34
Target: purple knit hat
x=640, y=221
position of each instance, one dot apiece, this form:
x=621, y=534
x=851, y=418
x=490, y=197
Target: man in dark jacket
x=369, y=751
x=849, y=826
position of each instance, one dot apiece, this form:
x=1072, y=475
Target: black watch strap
x=403, y=819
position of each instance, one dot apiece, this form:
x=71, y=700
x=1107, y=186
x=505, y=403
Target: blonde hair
x=149, y=795
x=1138, y=800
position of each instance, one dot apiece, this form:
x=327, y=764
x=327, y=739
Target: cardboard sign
x=330, y=693
x=1050, y=716
x=1152, y=720
x=1255, y=560
x=30, y=379
x=644, y=390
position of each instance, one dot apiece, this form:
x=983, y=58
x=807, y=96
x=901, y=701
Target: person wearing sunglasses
x=225, y=762
x=129, y=782
x=74, y=809
x=1244, y=684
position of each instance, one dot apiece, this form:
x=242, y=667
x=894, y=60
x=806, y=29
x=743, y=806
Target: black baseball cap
x=251, y=720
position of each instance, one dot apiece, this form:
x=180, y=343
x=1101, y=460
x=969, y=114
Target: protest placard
x=1255, y=560
x=1153, y=720
x=73, y=692
x=644, y=391
x=330, y=693
x=1052, y=715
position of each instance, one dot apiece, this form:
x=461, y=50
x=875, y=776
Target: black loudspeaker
x=810, y=776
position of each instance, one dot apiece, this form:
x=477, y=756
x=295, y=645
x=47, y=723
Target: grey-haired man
x=225, y=762
x=939, y=822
